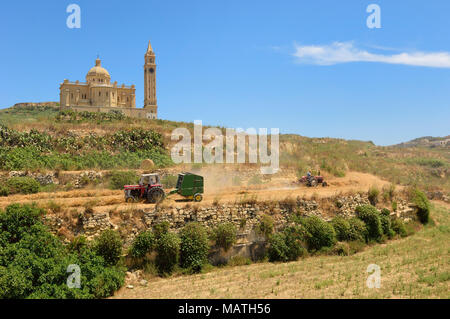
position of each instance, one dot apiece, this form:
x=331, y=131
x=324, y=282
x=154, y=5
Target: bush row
x=188, y=249
x=130, y=140
x=340, y=236
x=72, y=116
x=30, y=158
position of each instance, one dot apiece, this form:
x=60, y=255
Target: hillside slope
x=426, y=167
x=413, y=267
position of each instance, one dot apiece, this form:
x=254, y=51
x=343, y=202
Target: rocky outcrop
x=86, y=177
x=438, y=195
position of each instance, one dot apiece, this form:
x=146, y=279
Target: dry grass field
x=217, y=190
x=414, y=267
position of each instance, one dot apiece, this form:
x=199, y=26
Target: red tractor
x=313, y=181
x=149, y=188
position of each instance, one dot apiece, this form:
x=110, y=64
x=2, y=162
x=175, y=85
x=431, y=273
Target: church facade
x=98, y=94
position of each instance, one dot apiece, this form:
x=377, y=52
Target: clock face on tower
x=151, y=70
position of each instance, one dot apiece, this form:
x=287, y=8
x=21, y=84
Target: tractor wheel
x=155, y=195
x=324, y=184
x=198, y=197
x=314, y=183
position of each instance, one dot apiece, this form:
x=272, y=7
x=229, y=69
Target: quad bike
x=313, y=181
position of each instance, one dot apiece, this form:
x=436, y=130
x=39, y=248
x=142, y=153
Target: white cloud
x=344, y=52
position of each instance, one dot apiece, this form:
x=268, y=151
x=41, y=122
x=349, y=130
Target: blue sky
x=307, y=67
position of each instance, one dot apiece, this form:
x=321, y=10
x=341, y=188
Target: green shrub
x=225, y=235
x=4, y=191
x=319, y=233
x=17, y=220
x=121, y=178
x=144, y=243
x=373, y=194
x=107, y=281
x=399, y=227
x=23, y=185
x=194, y=246
x=394, y=206
x=109, y=246
x=341, y=227
x=161, y=228
x=358, y=230
x=422, y=204
x=389, y=193
x=295, y=237
x=278, y=250
x=265, y=226
x=34, y=262
x=78, y=243
x=287, y=245
x=168, y=251
x=371, y=217
x=386, y=225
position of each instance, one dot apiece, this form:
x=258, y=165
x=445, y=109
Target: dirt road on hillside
x=278, y=188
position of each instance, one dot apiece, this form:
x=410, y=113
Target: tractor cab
x=149, y=179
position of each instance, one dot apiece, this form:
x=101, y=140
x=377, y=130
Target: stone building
x=98, y=94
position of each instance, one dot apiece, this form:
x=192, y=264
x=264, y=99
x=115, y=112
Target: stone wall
x=77, y=179
x=245, y=216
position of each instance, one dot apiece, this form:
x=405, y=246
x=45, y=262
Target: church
x=99, y=94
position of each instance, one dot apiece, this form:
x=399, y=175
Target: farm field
x=279, y=188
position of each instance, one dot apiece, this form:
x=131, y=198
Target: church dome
x=98, y=70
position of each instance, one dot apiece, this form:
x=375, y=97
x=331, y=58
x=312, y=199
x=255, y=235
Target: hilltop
x=427, y=141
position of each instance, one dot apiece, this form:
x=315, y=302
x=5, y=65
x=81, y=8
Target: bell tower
x=150, y=82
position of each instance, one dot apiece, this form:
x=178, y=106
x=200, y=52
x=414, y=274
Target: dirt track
x=278, y=188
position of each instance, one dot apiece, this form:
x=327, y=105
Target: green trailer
x=189, y=186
